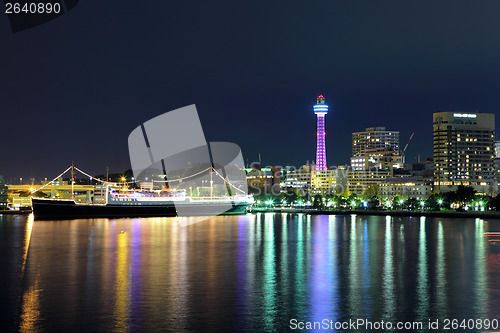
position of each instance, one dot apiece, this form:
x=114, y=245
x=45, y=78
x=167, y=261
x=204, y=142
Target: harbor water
x=265, y=272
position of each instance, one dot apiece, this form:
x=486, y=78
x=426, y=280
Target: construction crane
x=406, y=146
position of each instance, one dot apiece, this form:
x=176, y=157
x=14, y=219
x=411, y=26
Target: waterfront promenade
x=447, y=213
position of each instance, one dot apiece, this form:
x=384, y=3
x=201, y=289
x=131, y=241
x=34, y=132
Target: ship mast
x=211, y=180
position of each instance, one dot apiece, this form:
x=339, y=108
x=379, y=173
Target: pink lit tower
x=320, y=109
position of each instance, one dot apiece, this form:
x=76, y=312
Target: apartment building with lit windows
x=464, y=151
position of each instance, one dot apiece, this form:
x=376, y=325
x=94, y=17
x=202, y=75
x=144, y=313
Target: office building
x=405, y=188
x=364, y=182
x=300, y=179
x=263, y=179
x=333, y=181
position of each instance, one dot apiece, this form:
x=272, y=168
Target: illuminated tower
x=320, y=109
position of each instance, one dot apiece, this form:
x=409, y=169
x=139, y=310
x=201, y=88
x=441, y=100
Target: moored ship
x=140, y=204
x=169, y=155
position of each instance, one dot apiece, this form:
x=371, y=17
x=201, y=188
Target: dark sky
x=74, y=88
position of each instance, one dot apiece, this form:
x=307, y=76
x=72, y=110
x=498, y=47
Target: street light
x=388, y=204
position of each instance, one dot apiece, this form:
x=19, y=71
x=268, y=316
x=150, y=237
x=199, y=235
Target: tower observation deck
x=320, y=109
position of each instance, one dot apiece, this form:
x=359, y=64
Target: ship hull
x=46, y=209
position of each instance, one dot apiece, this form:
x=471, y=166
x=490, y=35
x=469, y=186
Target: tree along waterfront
x=463, y=199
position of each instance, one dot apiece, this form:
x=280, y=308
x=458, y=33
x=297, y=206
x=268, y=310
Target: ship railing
x=224, y=198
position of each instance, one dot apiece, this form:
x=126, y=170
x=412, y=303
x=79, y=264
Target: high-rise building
x=375, y=141
x=464, y=151
x=320, y=109
x=375, y=153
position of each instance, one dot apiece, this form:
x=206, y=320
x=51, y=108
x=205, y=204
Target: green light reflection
x=269, y=278
x=440, y=292
x=389, y=307
x=423, y=275
x=300, y=297
x=353, y=272
x=480, y=276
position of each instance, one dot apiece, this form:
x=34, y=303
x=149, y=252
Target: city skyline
x=348, y=162
x=73, y=89
x=250, y=166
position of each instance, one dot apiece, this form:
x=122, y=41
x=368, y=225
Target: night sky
x=74, y=88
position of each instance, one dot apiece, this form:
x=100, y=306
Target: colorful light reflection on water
x=244, y=273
